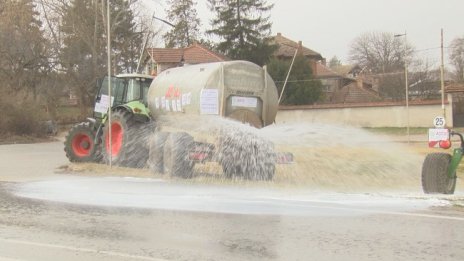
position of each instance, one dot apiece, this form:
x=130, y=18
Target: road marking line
x=8, y=259
x=77, y=249
x=423, y=215
x=394, y=213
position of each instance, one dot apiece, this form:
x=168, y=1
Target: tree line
x=385, y=56
x=50, y=46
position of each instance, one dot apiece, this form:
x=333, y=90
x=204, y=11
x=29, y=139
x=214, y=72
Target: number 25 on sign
x=439, y=122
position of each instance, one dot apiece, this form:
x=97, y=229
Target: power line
x=308, y=80
x=435, y=48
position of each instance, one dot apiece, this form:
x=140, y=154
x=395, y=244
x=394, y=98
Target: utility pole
x=110, y=149
x=286, y=78
x=442, y=78
x=406, y=81
x=406, y=84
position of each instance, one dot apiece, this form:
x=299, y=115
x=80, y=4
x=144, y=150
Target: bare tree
x=457, y=58
x=76, y=31
x=23, y=66
x=380, y=52
x=23, y=56
x=424, y=81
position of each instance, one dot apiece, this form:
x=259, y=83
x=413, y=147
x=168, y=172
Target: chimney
x=300, y=47
x=279, y=34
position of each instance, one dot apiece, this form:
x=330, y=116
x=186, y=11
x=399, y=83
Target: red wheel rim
x=116, y=139
x=81, y=145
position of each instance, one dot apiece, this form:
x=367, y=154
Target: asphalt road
x=49, y=216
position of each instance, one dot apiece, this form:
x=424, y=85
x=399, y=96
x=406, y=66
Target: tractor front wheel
x=79, y=144
x=435, y=178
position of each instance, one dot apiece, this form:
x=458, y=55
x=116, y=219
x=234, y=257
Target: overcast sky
x=329, y=26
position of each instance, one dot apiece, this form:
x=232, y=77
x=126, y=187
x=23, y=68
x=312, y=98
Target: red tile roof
x=198, y=53
x=193, y=54
x=325, y=72
x=352, y=93
x=454, y=87
x=346, y=69
x=287, y=48
x=165, y=55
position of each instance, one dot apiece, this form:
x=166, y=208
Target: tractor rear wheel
x=435, y=178
x=79, y=144
x=129, y=140
x=176, y=155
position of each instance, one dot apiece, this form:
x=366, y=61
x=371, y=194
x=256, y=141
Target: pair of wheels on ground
x=131, y=146
x=127, y=142
x=134, y=144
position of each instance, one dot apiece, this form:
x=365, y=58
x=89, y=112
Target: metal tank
x=239, y=90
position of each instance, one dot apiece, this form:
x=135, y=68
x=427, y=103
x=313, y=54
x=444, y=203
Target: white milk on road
x=157, y=194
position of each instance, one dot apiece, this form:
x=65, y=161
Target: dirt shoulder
x=18, y=139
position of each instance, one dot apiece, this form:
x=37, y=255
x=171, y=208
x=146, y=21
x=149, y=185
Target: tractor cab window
x=117, y=90
x=145, y=87
x=137, y=89
x=133, y=90
x=125, y=89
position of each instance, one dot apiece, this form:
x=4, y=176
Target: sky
x=330, y=26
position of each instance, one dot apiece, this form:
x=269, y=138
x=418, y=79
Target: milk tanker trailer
x=238, y=90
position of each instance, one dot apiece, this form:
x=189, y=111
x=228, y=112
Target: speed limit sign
x=439, y=122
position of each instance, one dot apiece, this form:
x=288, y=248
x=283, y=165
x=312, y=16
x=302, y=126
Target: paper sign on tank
x=250, y=102
x=209, y=101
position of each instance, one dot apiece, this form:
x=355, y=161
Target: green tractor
x=89, y=141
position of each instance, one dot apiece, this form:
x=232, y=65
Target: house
x=339, y=86
x=344, y=84
x=331, y=80
x=355, y=92
x=351, y=71
x=286, y=49
x=160, y=59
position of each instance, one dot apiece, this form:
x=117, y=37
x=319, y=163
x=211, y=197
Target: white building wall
x=382, y=116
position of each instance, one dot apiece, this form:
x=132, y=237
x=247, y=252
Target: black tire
x=156, y=152
x=176, y=155
x=435, y=178
x=79, y=144
x=247, y=156
x=130, y=139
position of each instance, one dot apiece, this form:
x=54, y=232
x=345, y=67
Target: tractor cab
x=125, y=88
